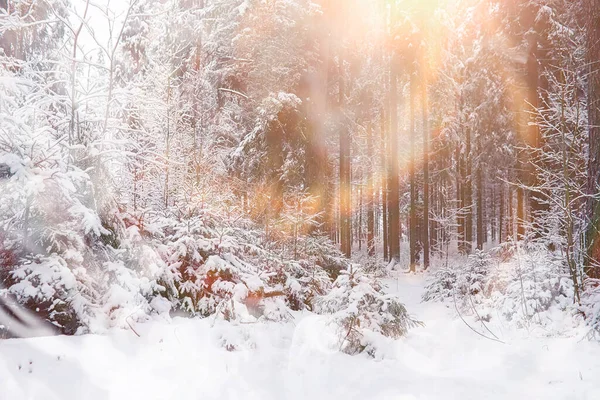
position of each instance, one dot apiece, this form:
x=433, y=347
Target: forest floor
x=189, y=359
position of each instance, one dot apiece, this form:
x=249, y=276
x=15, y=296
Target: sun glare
x=299, y=199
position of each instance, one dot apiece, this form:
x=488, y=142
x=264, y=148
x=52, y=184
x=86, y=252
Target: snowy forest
x=288, y=199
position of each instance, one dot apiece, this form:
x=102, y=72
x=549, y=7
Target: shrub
x=362, y=312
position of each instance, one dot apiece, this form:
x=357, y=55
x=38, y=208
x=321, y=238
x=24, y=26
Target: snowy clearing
x=443, y=360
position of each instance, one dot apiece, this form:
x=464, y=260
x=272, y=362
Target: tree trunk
x=460, y=224
x=345, y=148
x=520, y=213
x=370, y=210
x=592, y=258
x=480, y=226
x=167, y=146
x=485, y=219
x=413, y=183
x=393, y=171
x=501, y=230
x=384, y=211
x=533, y=133
x=468, y=195
x=358, y=229
x=425, y=167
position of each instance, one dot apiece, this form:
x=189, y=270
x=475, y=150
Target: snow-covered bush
x=520, y=284
x=85, y=275
x=48, y=238
x=362, y=312
x=442, y=284
x=372, y=265
x=199, y=269
x=47, y=286
x=321, y=251
x=466, y=279
x=590, y=307
x=530, y=284
x=128, y=295
x=211, y=266
x=56, y=260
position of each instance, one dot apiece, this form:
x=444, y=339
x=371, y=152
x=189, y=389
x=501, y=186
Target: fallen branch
x=234, y=92
x=479, y=316
x=131, y=327
x=470, y=327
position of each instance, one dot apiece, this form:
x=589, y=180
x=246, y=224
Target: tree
x=426, y=179
x=592, y=11
x=345, y=171
x=393, y=195
x=370, y=195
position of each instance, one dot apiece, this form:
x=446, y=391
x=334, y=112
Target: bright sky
x=99, y=14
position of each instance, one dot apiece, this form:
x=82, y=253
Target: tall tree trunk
x=345, y=148
x=275, y=160
x=413, y=183
x=480, y=189
x=425, y=166
x=493, y=217
x=393, y=169
x=592, y=258
x=468, y=195
x=486, y=207
x=460, y=220
x=370, y=208
x=359, y=228
x=167, y=145
x=511, y=222
x=434, y=204
x=520, y=212
x=384, y=189
x=501, y=230
x=393, y=161
x=533, y=133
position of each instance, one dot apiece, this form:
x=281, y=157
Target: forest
x=347, y=188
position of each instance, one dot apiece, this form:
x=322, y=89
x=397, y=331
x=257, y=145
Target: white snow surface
x=189, y=359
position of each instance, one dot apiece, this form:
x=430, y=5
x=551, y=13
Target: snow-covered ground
x=189, y=359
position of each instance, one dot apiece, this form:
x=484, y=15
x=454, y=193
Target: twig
x=131, y=327
x=523, y=300
x=479, y=316
x=350, y=329
x=470, y=327
x=234, y=92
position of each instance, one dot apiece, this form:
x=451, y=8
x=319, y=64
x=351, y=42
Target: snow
x=213, y=359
